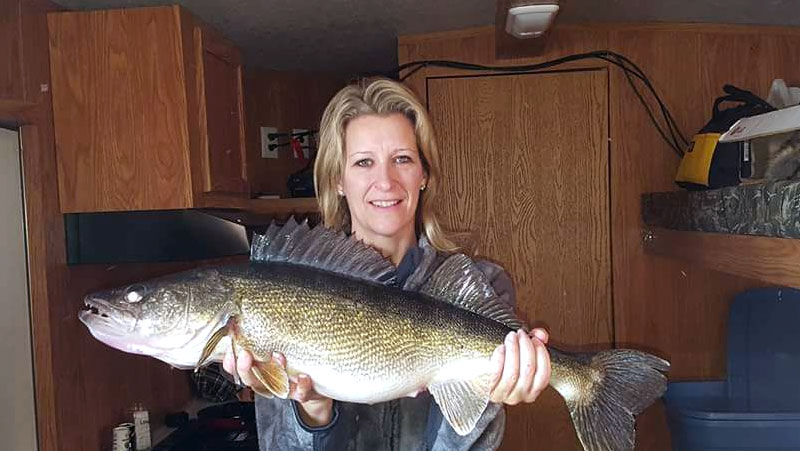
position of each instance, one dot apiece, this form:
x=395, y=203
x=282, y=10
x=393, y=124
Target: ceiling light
x=530, y=21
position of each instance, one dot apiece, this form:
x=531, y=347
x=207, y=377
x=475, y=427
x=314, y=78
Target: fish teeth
x=96, y=307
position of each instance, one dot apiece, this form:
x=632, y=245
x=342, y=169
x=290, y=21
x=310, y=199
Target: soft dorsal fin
x=321, y=248
x=460, y=282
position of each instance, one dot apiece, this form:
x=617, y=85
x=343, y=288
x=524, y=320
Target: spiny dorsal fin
x=459, y=281
x=321, y=248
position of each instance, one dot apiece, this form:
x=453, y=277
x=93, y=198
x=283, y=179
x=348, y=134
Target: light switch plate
x=265, y=142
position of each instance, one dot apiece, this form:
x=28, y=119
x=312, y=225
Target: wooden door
x=222, y=130
x=525, y=167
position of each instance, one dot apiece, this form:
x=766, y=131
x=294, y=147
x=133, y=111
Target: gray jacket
x=404, y=424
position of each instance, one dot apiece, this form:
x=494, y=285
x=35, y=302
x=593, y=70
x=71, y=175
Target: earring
x=422, y=188
x=340, y=193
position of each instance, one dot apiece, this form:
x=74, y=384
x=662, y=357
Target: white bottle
x=141, y=426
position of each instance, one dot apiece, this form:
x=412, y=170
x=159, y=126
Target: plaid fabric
x=214, y=383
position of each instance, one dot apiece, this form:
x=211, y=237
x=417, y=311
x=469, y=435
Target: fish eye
x=134, y=293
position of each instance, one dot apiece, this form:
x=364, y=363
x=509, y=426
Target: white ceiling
x=361, y=35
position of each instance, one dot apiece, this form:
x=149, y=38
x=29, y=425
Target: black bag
x=710, y=164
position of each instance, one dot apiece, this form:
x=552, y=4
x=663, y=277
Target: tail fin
x=616, y=385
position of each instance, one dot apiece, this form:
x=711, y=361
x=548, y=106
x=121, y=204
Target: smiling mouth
x=384, y=203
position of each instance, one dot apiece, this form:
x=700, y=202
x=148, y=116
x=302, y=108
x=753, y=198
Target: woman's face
x=382, y=177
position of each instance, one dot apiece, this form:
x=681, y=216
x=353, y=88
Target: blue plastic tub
x=758, y=406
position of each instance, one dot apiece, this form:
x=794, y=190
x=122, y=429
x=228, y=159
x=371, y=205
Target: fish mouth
x=99, y=313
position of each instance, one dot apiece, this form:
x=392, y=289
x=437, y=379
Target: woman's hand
x=315, y=410
x=522, y=366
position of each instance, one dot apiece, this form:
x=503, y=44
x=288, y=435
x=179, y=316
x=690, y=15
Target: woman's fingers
x=520, y=383
x=542, y=377
x=510, y=373
x=302, y=389
x=244, y=361
x=527, y=368
x=279, y=358
x=498, y=361
x=541, y=334
x=524, y=367
x=228, y=364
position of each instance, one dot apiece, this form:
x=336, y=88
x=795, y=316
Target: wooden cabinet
x=220, y=68
x=147, y=106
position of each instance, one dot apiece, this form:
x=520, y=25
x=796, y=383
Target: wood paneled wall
x=45, y=230
x=667, y=306
x=285, y=100
x=10, y=71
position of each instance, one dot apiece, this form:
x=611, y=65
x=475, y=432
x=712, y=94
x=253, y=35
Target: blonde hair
x=377, y=97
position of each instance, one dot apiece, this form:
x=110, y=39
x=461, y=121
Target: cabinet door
x=525, y=167
x=119, y=110
x=221, y=114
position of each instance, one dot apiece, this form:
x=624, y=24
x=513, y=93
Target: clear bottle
x=141, y=426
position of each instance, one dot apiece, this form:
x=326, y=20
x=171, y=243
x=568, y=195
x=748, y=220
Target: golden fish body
x=360, y=343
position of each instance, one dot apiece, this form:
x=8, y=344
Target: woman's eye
x=403, y=159
x=365, y=163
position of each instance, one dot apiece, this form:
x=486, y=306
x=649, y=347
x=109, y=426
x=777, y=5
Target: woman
x=376, y=177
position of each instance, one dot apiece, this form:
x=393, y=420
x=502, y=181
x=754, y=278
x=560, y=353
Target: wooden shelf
x=282, y=207
x=773, y=260
x=16, y=112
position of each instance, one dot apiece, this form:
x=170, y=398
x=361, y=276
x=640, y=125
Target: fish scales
x=368, y=332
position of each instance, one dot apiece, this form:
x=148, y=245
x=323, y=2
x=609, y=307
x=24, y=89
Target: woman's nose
x=385, y=176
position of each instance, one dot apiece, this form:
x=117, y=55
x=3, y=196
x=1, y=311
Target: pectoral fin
x=272, y=379
x=462, y=401
x=211, y=345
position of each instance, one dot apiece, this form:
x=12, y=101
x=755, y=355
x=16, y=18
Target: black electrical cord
x=672, y=135
x=664, y=110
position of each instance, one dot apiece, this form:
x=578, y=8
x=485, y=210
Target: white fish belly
x=380, y=388
x=359, y=389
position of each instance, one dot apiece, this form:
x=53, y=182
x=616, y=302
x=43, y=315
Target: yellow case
x=696, y=163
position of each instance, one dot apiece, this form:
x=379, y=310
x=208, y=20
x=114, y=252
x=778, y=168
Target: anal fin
x=272, y=379
x=462, y=402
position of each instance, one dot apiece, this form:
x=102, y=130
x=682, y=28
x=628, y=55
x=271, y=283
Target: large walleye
x=323, y=300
